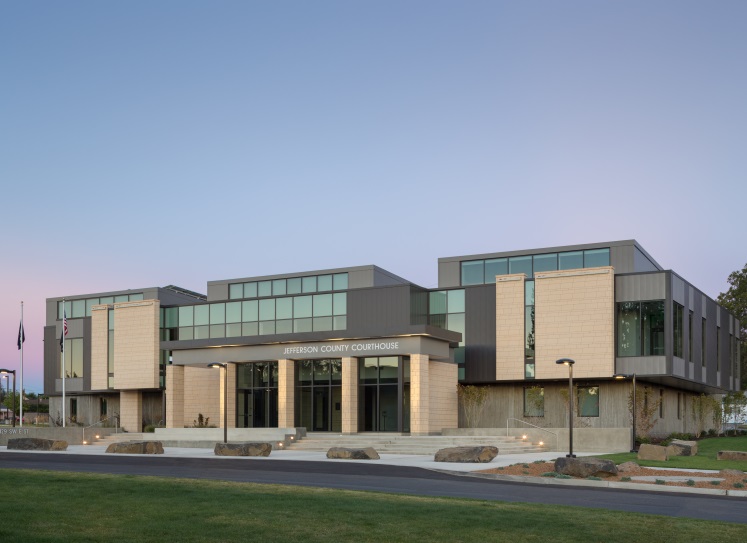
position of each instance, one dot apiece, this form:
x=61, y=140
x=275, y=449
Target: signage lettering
x=342, y=348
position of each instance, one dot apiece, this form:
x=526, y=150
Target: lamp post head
x=4, y=371
x=566, y=361
x=216, y=365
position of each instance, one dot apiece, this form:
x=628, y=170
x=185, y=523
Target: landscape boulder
x=478, y=455
x=36, y=444
x=243, y=449
x=136, y=447
x=627, y=466
x=732, y=455
x=587, y=466
x=344, y=453
x=652, y=452
x=682, y=448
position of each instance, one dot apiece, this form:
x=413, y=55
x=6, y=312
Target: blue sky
x=154, y=143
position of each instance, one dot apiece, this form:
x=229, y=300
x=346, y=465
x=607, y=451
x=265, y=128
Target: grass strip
x=58, y=507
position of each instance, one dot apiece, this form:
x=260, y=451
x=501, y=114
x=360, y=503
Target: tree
x=646, y=410
x=735, y=300
x=704, y=408
x=473, y=400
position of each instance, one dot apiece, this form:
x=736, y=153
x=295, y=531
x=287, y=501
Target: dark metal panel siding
x=449, y=274
x=480, y=333
x=51, y=364
x=710, y=342
x=641, y=287
x=622, y=258
x=370, y=311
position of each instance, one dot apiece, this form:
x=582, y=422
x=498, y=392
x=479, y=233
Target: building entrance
x=384, y=400
x=319, y=395
x=257, y=395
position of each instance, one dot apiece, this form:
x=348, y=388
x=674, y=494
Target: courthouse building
x=360, y=349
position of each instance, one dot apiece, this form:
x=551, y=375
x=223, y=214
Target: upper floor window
x=480, y=272
x=75, y=309
x=293, y=285
x=640, y=328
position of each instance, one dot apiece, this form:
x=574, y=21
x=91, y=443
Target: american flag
x=64, y=331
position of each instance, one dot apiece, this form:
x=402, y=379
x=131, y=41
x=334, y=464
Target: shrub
x=562, y=476
x=555, y=474
x=738, y=485
x=592, y=478
x=690, y=482
x=625, y=479
x=715, y=483
x=525, y=465
x=150, y=428
x=661, y=482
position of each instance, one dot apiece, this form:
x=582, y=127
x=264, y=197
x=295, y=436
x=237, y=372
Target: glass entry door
x=384, y=398
x=319, y=395
x=257, y=395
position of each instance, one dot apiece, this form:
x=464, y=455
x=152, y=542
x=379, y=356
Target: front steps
x=388, y=443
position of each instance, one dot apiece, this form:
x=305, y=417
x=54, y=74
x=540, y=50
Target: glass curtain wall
x=640, y=328
x=384, y=397
x=257, y=395
x=319, y=395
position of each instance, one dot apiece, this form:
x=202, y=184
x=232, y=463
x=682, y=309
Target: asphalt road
x=386, y=478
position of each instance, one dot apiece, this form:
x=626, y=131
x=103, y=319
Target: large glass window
x=495, y=266
x=446, y=309
x=572, y=260
x=76, y=309
x=547, y=262
x=73, y=358
x=473, y=273
x=640, y=328
x=384, y=398
x=596, y=257
x=520, y=264
x=319, y=395
x=678, y=315
x=257, y=395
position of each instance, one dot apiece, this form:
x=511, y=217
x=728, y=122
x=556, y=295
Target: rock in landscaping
x=682, y=448
x=136, y=447
x=627, y=466
x=652, y=452
x=479, y=455
x=732, y=455
x=369, y=453
x=730, y=472
x=585, y=467
x=243, y=449
x=36, y=444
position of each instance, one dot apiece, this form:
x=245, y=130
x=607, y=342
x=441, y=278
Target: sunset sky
x=176, y=142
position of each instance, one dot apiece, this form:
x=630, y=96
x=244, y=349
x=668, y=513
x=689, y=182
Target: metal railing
x=115, y=416
x=536, y=427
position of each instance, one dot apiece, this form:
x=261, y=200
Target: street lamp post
x=568, y=362
x=13, y=399
x=225, y=397
x=635, y=406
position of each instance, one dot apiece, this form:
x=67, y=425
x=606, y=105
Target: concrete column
x=174, y=396
x=286, y=394
x=419, y=394
x=131, y=410
x=350, y=386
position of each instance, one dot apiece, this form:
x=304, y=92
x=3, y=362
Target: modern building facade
x=360, y=349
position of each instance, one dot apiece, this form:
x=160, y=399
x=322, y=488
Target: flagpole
x=64, y=317
x=22, y=337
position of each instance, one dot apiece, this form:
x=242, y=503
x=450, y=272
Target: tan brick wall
x=131, y=410
x=444, y=404
x=509, y=327
x=575, y=318
x=350, y=387
x=174, y=396
x=136, y=345
x=202, y=394
x=99, y=347
x=419, y=394
x=286, y=394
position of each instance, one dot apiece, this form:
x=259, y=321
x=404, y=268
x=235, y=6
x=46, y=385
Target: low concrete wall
x=556, y=439
x=72, y=434
x=208, y=437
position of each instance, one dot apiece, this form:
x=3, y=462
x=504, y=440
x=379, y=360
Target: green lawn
x=705, y=459
x=57, y=507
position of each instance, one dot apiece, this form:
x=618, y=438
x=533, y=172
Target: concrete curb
x=599, y=484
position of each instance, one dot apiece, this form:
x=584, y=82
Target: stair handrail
x=534, y=426
x=116, y=425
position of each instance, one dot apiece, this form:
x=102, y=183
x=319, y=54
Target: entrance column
x=174, y=396
x=286, y=394
x=419, y=394
x=131, y=410
x=350, y=382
